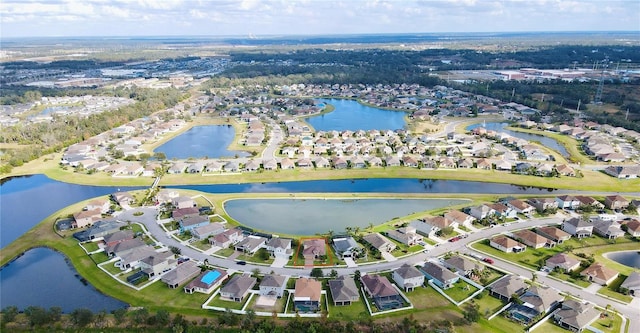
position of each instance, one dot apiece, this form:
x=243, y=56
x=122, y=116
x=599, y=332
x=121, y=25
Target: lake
x=353, y=116
x=544, y=140
x=318, y=216
x=627, y=258
x=202, y=141
x=42, y=277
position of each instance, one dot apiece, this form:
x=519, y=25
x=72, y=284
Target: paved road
x=275, y=139
x=631, y=311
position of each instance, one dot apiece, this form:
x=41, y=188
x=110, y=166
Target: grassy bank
x=570, y=144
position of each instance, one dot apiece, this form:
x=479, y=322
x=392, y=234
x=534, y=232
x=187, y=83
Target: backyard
x=460, y=291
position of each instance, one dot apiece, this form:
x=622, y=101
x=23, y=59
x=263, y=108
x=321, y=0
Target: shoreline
x=606, y=255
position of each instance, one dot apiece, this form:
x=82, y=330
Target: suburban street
x=631, y=310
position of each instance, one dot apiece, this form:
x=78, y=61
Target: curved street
x=631, y=310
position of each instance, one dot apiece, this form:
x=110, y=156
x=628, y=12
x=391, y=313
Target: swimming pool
x=210, y=277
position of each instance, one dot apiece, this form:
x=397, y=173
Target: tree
x=81, y=317
x=357, y=275
x=37, y=315
x=139, y=316
x=471, y=313
x=334, y=273
x=316, y=273
x=255, y=272
x=175, y=250
x=9, y=314
x=100, y=319
x=162, y=317
x=119, y=315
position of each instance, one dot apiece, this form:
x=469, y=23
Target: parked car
x=454, y=239
x=488, y=260
x=242, y=263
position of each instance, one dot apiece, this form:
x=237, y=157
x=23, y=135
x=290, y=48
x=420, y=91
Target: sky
x=31, y=18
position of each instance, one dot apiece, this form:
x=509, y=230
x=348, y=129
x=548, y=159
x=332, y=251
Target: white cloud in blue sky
x=303, y=17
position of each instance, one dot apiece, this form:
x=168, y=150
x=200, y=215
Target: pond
x=353, y=116
x=202, y=141
x=42, y=277
x=627, y=258
x=544, y=140
x=318, y=216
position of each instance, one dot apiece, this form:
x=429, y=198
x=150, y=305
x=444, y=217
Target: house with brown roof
x=459, y=217
x=381, y=290
x=408, y=277
x=553, y=234
x=633, y=228
x=586, y=201
x=563, y=261
x=542, y=204
x=598, y=273
x=181, y=213
x=566, y=170
x=575, y=316
x=227, y=238
x=405, y=235
x=616, y=202
x=306, y=297
x=314, y=248
x=123, y=198
x=520, y=206
x=85, y=218
x=506, y=244
x=440, y=222
x=238, y=287
x=506, y=287
x=343, y=290
x=379, y=242
x=532, y=239
x=203, y=232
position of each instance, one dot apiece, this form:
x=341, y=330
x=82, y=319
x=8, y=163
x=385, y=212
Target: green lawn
x=612, y=290
x=460, y=291
x=111, y=268
x=256, y=258
x=499, y=324
x=90, y=246
x=225, y=252
x=217, y=301
x=488, y=305
x=100, y=257
x=566, y=277
x=216, y=218
x=610, y=324
x=354, y=311
x=428, y=298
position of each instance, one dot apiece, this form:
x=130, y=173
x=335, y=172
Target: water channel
x=544, y=140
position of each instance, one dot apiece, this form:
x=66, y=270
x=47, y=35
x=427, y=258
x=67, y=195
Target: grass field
x=460, y=291
x=612, y=290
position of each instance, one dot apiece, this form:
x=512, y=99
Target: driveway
x=350, y=262
x=388, y=256
x=279, y=262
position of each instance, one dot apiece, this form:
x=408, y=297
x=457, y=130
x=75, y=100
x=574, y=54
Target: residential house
x=181, y=213
x=227, y=238
x=347, y=247
x=122, y=248
x=482, y=211
x=85, y=218
x=506, y=244
x=207, y=230
x=314, y=248
x=379, y=242
x=406, y=235
x=181, y=274
x=577, y=227
x=563, y=261
x=462, y=265
x=251, y=244
x=608, y=229
x=543, y=204
x=633, y=228
x=565, y=170
x=567, y=202
x=553, y=234
x=344, y=290
x=117, y=237
x=575, y=316
x=598, y=273
x=189, y=223
x=623, y=171
x=238, y=287
x=441, y=222
x=306, y=297
x=381, y=290
x=101, y=204
x=535, y=301
x=279, y=247
x=273, y=285
x=586, y=201
x=123, y=198
x=462, y=219
x=439, y=275
x=632, y=284
x=423, y=228
x=506, y=287
x=133, y=259
x=503, y=210
x=520, y=206
x=206, y=282
x=408, y=277
x=616, y=202
x=183, y=202
x=158, y=263
x=533, y=239
x=98, y=229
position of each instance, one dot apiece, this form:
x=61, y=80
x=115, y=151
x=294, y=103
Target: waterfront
x=627, y=258
x=209, y=141
x=545, y=141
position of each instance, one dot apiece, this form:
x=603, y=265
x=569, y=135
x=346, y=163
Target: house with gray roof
x=632, y=284
x=238, y=287
x=462, y=265
x=563, y=261
x=408, y=277
x=425, y=229
x=99, y=229
x=379, y=242
x=347, y=247
x=280, y=247
x=506, y=287
x=211, y=229
x=189, y=223
x=122, y=248
x=273, y=285
x=405, y=235
x=251, y=244
x=344, y=290
x=577, y=227
x=158, y=263
x=181, y=274
x=439, y=275
x=133, y=258
x=206, y=282
x=381, y=290
x=608, y=229
x=575, y=316
x=535, y=301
